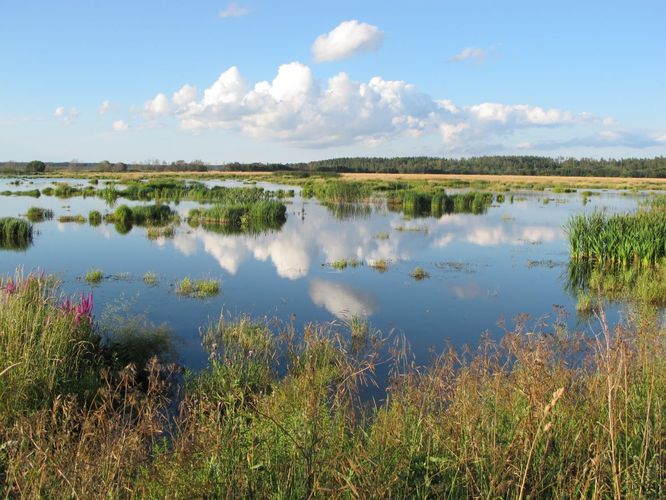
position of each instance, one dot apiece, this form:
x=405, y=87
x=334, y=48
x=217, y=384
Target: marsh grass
x=542, y=413
x=79, y=219
x=380, y=265
x=256, y=216
x=151, y=279
x=37, y=214
x=94, y=218
x=198, y=288
x=419, y=274
x=94, y=276
x=342, y=264
x=15, y=234
x=155, y=232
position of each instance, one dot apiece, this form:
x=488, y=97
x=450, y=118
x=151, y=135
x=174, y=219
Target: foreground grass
x=281, y=415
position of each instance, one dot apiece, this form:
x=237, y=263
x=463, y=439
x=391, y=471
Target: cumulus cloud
x=157, y=106
x=296, y=109
x=59, y=112
x=234, y=10
x=470, y=54
x=104, y=107
x=346, y=40
x=185, y=95
x=120, y=126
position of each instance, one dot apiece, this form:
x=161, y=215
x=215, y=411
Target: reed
x=419, y=274
x=618, y=239
x=248, y=216
x=94, y=218
x=198, y=288
x=79, y=219
x=15, y=234
x=37, y=214
x=94, y=276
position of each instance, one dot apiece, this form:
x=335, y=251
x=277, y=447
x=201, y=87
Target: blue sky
x=292, y=81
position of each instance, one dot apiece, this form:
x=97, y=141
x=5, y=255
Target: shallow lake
x=508, y=261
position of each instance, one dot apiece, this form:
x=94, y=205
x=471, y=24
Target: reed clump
x=15, y=234
x=79, y=219
x=94, y=276
x=419, y=274
x=156, y=232
x=637, y=238
x=260, y=215
x=38, y=214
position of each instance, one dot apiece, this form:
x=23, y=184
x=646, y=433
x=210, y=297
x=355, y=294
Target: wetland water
x=508, y=261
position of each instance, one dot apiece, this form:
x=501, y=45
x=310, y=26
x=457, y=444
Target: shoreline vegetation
x=91, y=410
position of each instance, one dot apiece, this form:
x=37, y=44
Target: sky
x=291, y=81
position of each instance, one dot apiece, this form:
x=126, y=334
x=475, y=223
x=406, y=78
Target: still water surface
x=509, y=261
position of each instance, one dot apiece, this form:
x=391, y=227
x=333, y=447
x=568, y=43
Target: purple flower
x=10, y=287
x=84, y=309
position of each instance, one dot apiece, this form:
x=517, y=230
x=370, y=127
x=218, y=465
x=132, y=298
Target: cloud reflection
x=341, y=300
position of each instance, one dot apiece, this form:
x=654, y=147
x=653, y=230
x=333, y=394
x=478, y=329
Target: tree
x=104, y=166
x=119, y=167
x=35, y=167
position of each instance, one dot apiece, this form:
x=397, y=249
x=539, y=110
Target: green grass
x=94, y=218
x=257, y=216
x=15, y=234
x=94, y=276
x=637, y=238
x=37, y=214
x=198, y=288
x=381, y=236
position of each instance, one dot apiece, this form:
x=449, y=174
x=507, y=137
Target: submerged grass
x=280, y=415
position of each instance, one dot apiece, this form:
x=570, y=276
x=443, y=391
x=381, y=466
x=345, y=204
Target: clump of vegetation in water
x=337, y=191
x=282, y=411
x=150, y=278
x=417, y=203
x=94, y=276
x=79, y=219
x=345, y=263
x=198, y=288
x=637, y=238
x=261, y=215
x=37, y=214
x=155, y=232
x=381, y=236
x=34, y=193
x=94, y=218
x=419, y=274
x=380, y=265
x=124, y=217
x=15, y=234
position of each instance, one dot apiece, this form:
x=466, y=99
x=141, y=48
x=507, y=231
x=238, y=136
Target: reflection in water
x=342, y=301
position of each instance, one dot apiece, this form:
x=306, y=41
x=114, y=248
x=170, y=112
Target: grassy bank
x=281, y=414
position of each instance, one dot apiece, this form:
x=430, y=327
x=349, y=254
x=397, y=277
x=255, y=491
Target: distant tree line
x=502, y=165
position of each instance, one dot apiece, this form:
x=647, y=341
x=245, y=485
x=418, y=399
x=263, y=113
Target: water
x=482, y=268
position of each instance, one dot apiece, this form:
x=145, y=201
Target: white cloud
x=234, y=10
x=67, y=115
x=185, y=95
x=157, y=106
x=120, y=126
x=104, y=107
x=347, y=39
x=294, y=108
x=471, y=54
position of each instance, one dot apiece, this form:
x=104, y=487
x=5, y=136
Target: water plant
x=419, y=274
x=618, y=239
x=155, y=232
x=257, y=216
x=341, y=264
x=79, y=219
x=198, y=288
x=380, y=265
x=94, y=218
x=15, y=234
x=150, y=278
x=38, y=214
x=94, y=276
